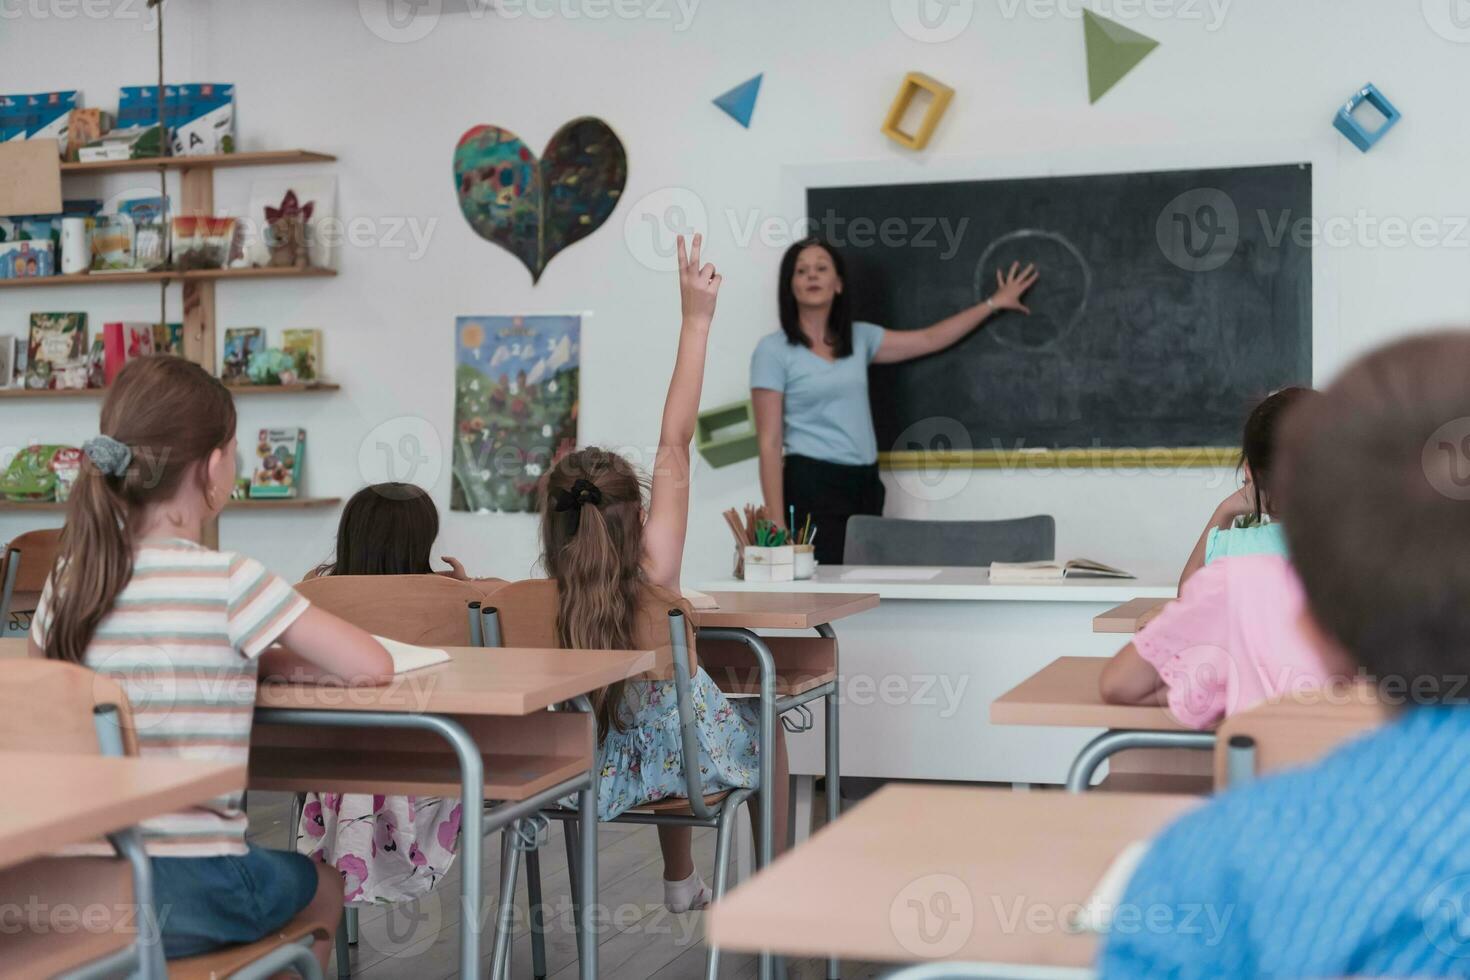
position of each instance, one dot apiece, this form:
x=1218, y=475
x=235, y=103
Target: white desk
x=919, y=672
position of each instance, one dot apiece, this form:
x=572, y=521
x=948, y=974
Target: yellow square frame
x=913, y=83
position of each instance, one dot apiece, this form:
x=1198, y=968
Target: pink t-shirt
x=1233, y=640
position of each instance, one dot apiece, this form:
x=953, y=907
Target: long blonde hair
x=592, y=545
x=170, y=414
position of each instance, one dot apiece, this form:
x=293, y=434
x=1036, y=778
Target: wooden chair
x=50, y=706
x=428, y=610
x=23, y=569
x=523, y=614
x=1292, y=731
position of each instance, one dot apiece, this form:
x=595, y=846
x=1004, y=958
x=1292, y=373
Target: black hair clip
x=582, y=492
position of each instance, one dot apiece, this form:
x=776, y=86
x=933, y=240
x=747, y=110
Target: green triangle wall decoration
x=1112, y=52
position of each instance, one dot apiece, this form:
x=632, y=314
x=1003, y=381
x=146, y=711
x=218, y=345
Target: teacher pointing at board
x=809, y=385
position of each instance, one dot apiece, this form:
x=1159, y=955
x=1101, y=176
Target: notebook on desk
x=699, y=600
x=407, y=657
x=1052, y=571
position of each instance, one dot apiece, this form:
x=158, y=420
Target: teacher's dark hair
x=839, y=320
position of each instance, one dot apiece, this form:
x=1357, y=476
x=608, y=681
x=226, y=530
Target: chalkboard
x=1168, y=304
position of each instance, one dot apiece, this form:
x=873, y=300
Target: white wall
x=1255, y=80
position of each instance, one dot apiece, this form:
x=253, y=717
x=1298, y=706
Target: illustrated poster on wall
x=516, y=380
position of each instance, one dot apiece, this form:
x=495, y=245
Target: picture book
x=278, y=463
x=7, y=360
x=57, y=347
x=168, y=338
x=240, y=343
x=305, y=348
x=97, y=364
x=19, y=361
x=121, y=343
x=1051, y=571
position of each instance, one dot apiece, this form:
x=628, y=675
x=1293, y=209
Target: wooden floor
x=639, y=938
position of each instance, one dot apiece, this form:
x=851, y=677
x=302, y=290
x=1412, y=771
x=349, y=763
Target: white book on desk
x=407, y=657
x=1004, y=572
x=1096, y=915
x=699, y=600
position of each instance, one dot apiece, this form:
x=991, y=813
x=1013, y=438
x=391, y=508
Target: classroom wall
x=1233, y=82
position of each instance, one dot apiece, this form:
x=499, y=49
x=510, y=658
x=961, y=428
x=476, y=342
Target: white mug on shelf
x=76, y=246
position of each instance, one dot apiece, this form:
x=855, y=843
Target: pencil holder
x=770, y=564
x=805, y=564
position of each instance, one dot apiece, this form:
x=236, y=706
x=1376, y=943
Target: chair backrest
x=23, y=570
x=47, y=706
x=527, y=613
x=1299, y=728
x=897, y=541
x=431, y=610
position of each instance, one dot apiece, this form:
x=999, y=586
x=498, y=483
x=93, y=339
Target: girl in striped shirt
x=184, y=630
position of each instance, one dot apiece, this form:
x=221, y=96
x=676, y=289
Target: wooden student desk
x=53, y=800
x=1064, y=694
x=1125, y=618
x=489, y=706
x=944, y=873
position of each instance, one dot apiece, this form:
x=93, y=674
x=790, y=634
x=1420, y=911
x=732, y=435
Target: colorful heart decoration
x=535, y=208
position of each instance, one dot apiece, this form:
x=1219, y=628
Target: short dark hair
x=386, y=529
x=1376, y=504
x=1259, y=441
x=839, y=320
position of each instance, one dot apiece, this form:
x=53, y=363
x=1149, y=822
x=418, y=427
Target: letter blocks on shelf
x=913, y=84
x=1354, y=130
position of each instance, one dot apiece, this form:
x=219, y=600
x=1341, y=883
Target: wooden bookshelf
x=163, y=275
x=287, y=503
x=259, y=158
x=302, y=388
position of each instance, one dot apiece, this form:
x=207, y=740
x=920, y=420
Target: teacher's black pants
x=830, y=493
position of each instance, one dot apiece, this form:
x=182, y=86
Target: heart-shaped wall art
x=535, y=208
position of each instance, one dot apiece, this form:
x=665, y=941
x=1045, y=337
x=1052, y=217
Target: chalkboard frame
x=799, y=179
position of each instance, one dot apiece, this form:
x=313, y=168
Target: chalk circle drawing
x=1059, y=299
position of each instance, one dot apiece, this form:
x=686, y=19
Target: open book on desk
x=407, y=657
x=1005, y=572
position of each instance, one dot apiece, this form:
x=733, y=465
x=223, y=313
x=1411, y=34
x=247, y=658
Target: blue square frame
x=1353, y=130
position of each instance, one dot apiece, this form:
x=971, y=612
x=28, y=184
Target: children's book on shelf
x=168, y=338
x=240, y=343
x=305, y=348
x=1052, y=571
x=19, y=361
x=57, y=352
x=7, y=360
x=97, y=364
x=121, y=343
x=278, y=455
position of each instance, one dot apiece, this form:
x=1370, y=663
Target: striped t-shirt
x=182, y=640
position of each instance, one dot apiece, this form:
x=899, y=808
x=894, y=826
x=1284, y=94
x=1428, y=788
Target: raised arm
x=769, y=428
x=905, y=345
x=668, y=510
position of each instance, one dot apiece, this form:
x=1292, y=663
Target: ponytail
x=163, y=416
x=592, y=545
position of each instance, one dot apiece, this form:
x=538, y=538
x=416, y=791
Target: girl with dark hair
x=1243, y=524
x=809, y=385
x=616, y=564
x=1234, y=637
x=386, y=848
x=136, y=597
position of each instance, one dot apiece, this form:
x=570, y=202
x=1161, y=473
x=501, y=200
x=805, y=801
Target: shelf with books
x=259, y=158
x=164, y=275
x=282, y=503
x=302, y=388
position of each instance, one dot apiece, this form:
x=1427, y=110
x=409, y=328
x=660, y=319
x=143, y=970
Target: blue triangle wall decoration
x=739, y=102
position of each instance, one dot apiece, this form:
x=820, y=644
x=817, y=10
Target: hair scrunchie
x=571, y=501
x=109, y=455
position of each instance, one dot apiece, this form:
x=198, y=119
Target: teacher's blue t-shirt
x=826, y=410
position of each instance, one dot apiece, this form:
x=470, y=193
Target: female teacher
x=809, y=384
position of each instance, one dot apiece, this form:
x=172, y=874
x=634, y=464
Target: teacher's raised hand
x=1012, y=285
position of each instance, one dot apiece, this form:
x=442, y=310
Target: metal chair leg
x=510, y=865
x=344, y=967
x=569, y=830
x=724, y=837
x=538, y=914
x=351, y=912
